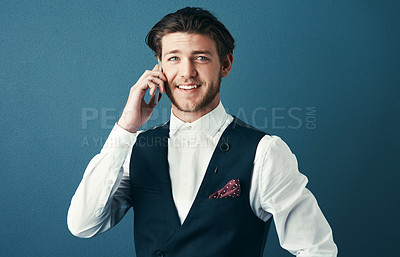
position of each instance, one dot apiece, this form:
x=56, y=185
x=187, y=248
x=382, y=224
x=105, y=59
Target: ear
x=227, y=65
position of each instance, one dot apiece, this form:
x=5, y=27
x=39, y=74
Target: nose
x=187, y=69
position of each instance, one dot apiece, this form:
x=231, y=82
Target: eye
x=202, y=58
x=174, y=58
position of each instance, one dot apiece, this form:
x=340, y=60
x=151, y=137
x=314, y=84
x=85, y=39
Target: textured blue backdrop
x=323, y=75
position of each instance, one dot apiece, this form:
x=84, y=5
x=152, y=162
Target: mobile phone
x=157, y=92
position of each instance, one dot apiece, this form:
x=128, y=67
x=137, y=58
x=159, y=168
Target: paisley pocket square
x=231, y=189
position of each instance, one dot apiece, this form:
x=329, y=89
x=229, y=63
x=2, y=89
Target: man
x=205, y=183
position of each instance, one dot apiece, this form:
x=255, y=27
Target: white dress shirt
x=277, y=188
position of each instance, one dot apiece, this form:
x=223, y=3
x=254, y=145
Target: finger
x=157, y=74
x=162, y=76
x=153, y=73
x=162, y=86
x=156, y=80
x=152, y=87
x=159, y=82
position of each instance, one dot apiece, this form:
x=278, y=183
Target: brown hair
x=191, y=20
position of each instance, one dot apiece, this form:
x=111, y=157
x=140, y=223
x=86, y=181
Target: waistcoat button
x=224, y=147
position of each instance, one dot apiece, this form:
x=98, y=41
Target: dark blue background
x=323, y=75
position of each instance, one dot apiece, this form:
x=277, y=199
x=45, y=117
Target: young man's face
x=192, y=66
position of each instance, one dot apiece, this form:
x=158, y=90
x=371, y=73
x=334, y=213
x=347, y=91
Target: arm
x=281, y=191
x=103, y=196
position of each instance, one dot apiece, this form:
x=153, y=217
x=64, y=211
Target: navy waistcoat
x=213, y=227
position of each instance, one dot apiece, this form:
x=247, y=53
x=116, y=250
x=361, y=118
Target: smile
x=188, y=87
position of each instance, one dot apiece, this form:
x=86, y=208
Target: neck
x=189, y=117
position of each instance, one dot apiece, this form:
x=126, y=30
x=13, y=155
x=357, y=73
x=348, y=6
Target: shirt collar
x=209, y=123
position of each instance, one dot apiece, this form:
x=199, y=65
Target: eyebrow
x=202, y=52
x=194, y=52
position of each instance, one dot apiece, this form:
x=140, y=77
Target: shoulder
x=272, y=147
x=162, y=128
x=153, y=137
x=239, y=125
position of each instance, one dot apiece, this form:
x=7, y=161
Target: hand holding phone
x=137, y=111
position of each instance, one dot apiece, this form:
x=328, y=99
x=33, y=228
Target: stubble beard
x=202, y=103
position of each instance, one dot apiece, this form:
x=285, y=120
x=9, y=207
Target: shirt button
x=126, y=146
x=110, y=182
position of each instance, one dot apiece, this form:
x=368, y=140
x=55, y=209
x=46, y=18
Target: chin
x=188, y=107
x=197, y=103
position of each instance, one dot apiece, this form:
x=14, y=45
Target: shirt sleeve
x=279, y=189
x=103, y=196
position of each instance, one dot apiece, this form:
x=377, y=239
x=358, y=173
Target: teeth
x=188, y=87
